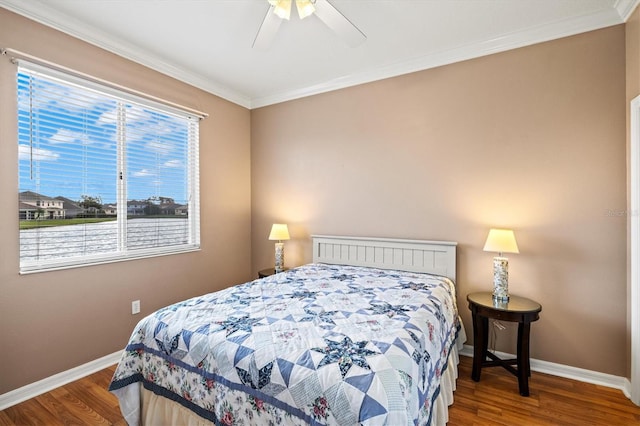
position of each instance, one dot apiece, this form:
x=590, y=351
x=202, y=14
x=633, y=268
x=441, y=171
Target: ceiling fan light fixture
x=330, y=16
x=305, y=8
x=282, y=8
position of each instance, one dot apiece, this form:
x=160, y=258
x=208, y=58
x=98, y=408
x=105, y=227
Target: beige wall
x=51, y=322
x=532, y=139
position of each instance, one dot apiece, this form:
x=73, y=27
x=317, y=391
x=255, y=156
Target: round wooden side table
x=517, y=309
x=267, y=272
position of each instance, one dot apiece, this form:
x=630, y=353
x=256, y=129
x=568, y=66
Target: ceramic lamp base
x=279, y=257
x=500, y=278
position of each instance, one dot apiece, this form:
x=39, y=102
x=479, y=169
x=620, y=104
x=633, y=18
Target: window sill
x=101, y=260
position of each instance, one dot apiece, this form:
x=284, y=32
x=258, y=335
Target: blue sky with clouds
x=72, y=148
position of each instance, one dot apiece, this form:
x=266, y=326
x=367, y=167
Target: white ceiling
x=207, y=43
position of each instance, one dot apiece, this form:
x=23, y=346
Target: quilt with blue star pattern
x=318, y=344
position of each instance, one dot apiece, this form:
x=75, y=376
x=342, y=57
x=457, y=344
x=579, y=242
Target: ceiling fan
x=280, y=10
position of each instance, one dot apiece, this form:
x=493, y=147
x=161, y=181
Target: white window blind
x=103, y=175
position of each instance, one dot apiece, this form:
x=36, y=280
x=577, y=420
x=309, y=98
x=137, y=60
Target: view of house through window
x=103, y=176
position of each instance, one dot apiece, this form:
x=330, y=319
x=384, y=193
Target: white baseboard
x=568, y=372
x=626, y=390
x=45, y=385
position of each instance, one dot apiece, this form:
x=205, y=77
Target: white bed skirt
x=440, y=415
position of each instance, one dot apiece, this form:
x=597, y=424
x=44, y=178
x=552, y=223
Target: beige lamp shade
x=279, y=232
x=501, y=241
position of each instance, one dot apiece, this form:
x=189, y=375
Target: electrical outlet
x=499, y=325
x=135, y=307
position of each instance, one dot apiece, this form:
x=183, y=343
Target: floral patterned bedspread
x=319, y=344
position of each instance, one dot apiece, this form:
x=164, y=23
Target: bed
x=368, y=333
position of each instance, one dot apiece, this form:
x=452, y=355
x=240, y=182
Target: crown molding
x=625, y=8
x=40, y=12
x=560, y=29
x=50, y=17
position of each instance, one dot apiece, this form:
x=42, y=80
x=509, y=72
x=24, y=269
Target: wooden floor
x=495, y=400
x=83, y=402
x=492, y=401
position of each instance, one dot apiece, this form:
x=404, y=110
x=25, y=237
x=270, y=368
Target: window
x=103, y=175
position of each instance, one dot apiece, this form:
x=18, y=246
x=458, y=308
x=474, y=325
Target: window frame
x=122, y=97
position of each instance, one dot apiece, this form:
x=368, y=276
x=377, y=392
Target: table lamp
x=501, y=241
x=279, y=232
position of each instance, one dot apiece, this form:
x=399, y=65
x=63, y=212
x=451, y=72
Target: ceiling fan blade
x=268, y=30
x=339, y=23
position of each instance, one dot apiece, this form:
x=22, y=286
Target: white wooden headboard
x=434, y=257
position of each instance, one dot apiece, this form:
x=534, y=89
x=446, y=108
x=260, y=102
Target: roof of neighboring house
x=30, y=195
x=25, y=206
x=69, y=204
x=170, y=206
